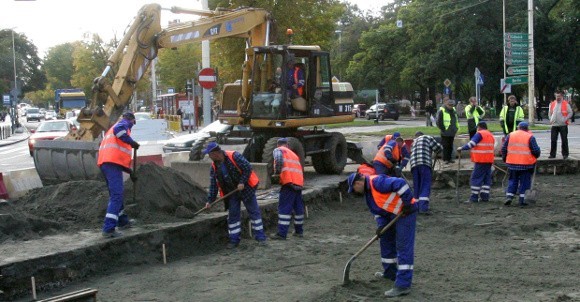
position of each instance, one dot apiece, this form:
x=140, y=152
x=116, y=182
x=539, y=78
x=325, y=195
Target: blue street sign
x=6, y=99
x=480, y=80
x=447, y=91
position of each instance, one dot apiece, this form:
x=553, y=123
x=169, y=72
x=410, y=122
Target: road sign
x=207, y=78
x=480, y=80
x=516, y=45
x=516, y=54
x=6, y=99
x=447, y=91
x=516, y=37
x=447, y=83
x=503, y=87
x=516, y=80
x=516, y=61
x=515, y=70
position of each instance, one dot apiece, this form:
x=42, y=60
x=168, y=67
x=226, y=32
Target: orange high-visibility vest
x=382, y=158
x=291, y=168
x=296, y=81
x=366, y=169
x=483, y=151
x=564, y=109
x=113, y=150
x=390, y=202
x=252, y=181
x=518, y=149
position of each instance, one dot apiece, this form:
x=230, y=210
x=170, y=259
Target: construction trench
x=464, y=252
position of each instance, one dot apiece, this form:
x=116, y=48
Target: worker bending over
x=287, y=165
x=482, y=146
x=386, y=197
x=391, y=158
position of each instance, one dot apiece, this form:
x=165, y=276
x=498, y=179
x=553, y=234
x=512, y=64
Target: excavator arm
x=75, y=157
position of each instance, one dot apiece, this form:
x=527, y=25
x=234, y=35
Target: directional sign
x=516, y=45
x=516, y=54
x=516, y=61
x=447, y=83
x=6, y=99
x=515, y=70
x=516, y=80
x=515, y=37
x=207, y=78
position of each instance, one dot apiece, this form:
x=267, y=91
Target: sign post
x=478, y=83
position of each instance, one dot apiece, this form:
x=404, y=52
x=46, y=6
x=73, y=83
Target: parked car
x=359, y=110
x=33, y=114
x=224, y=134
x=140, y=116
x=49, y=130
x=49, y=115
x=384, y=111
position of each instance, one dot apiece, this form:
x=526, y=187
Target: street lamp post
x=14, y=114
x=339, y=32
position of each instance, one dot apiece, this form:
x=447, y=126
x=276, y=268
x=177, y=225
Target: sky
x=49, y=23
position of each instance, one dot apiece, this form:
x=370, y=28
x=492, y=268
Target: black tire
x=196, y=150
x=396, y=118
x=382, y=117
x=335, y=159
x=368, y=117
x=318, y=163
x=294, y=144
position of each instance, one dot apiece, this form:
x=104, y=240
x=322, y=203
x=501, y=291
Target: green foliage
x=28, y=72
x=58, y=65
x=176, y=66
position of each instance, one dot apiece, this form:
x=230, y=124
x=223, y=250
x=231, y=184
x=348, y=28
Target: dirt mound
x=162, y=195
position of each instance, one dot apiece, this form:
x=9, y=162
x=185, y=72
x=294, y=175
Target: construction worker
x=386, y=197
x=448, y=124
x=520, y=152
x=511, y=115
x=473, y=113
x=114, y=159
x=391, y=158
x=287, y=165
x=560, y=113
x=366, y=169
x=482, y=147
x=230, y=171
x=387, y=139
x=421, y=167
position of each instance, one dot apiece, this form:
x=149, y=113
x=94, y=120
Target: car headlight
x=32, y=141
x=180, y=145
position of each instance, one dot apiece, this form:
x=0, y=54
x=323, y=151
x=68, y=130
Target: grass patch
x=409, y=132
x=358, y=123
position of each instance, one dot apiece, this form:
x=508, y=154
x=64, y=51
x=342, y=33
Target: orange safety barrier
x=3, y=191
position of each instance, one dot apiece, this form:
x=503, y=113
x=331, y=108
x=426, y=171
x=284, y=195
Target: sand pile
x=162, y=195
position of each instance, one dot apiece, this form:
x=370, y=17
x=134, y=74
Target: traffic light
x=188, y=88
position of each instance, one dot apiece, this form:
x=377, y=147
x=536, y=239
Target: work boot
x=112, y=234
x=397, y=291
x=523, y=204
x=264, y=243
x=277, y=236
x=507, y=202
x=128, y=225
x=232, y=245
x=299, y=235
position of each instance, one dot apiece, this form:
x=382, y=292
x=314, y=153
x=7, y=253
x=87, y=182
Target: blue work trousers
x=398, y=248
x=480, y=182
x=115, y=214
x=290, y=200
x=518, y=182
x=381, y=169
x=234, y=216
x=422, y=178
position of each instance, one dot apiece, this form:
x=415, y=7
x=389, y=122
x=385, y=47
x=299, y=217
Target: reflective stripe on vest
x=563, y=107
x=382, y=158
x=390, y=202
x=113, y=150
x=483, y=151
x=291, y=168
x=252, y=181
x=518, y=149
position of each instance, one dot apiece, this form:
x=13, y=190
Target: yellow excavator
x=262, y=101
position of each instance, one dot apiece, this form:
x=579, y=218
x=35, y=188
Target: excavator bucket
x=60, y=161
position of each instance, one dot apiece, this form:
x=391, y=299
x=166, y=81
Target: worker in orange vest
x=388, y=138
x=482, y=146
x=386, y=197
x=230, y=171
x=287, y=165
x=520, y=152
x=115, y=158
x=392, y=158
x=560, y=113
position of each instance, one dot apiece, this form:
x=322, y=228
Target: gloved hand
x=459, y=149
x=133, y=177
x=135, y=145
x=398, y=171
x=275, y=178
x=408, y=210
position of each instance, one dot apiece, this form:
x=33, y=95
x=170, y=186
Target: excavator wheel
x=268, y=157
x=196, y=152
x=334, y=161
x=318, y=163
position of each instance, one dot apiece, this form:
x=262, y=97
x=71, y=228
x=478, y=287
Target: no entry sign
x=207, y=78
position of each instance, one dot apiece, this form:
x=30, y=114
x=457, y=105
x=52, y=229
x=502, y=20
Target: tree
x=58, y=65
x=177, y=66
x=89, y=60
x=28, y=63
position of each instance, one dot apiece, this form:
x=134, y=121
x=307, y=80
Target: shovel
x=134, y=171
x=345, y=279
x=214, y=202
x=531, y=195
x=457, y=182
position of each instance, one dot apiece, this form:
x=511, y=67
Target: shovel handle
x=215, y=201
